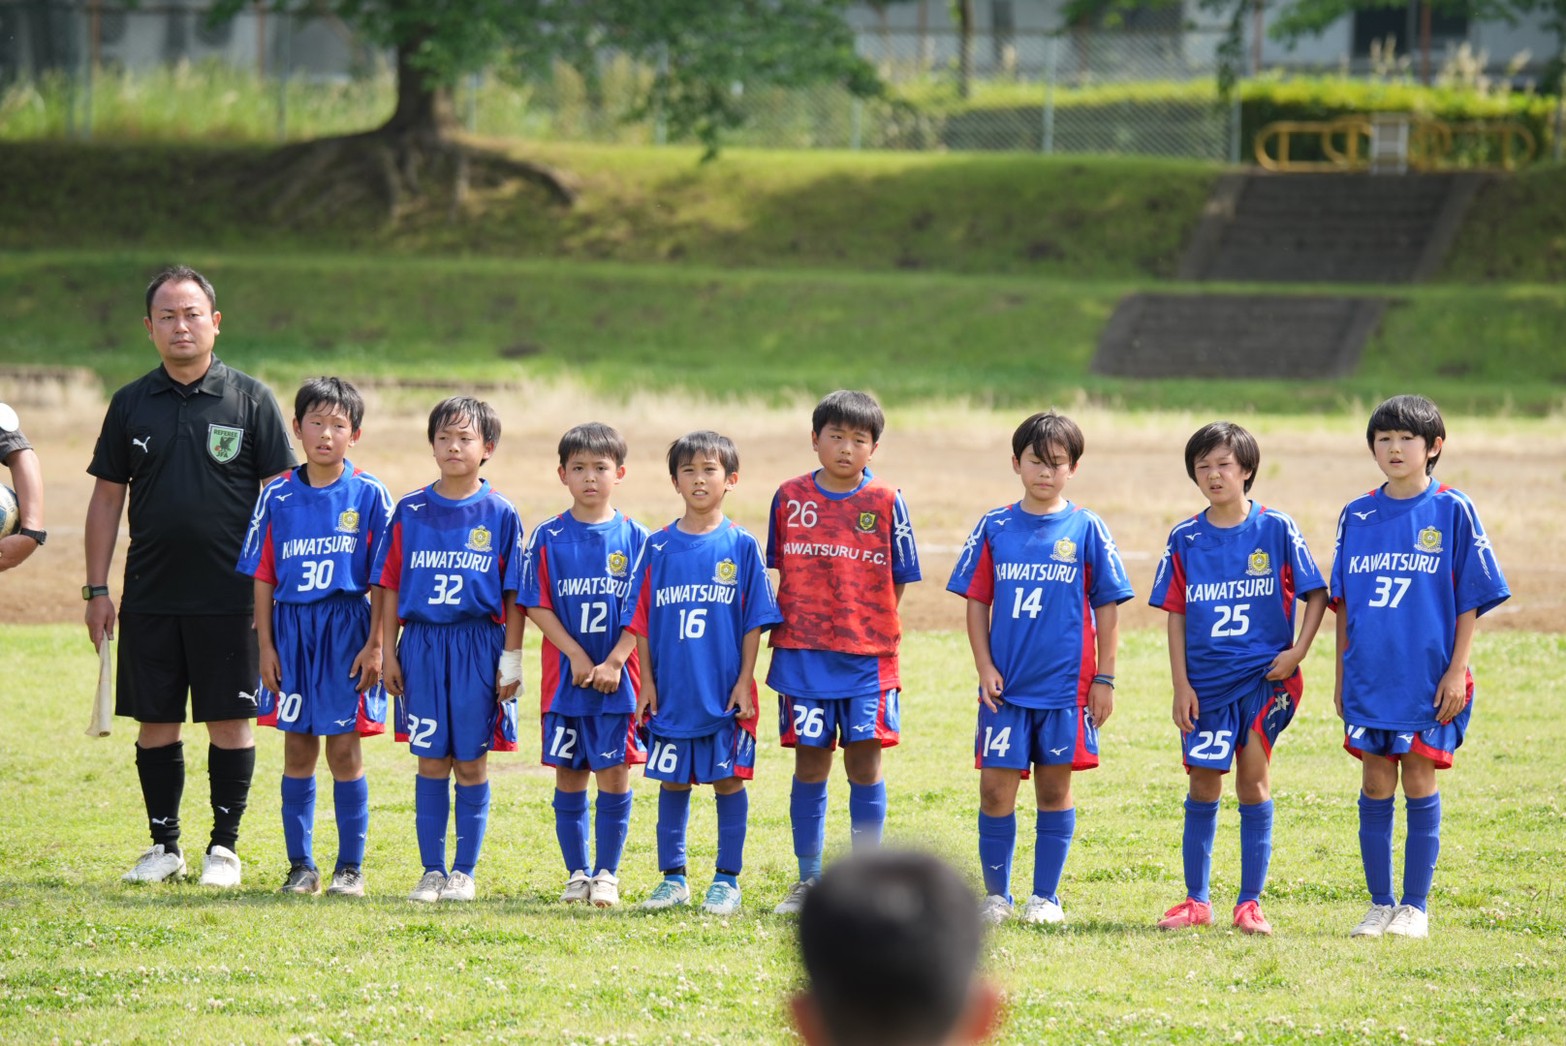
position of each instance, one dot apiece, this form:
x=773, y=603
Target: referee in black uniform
x=192, y=441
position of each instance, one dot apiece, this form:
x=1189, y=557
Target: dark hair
x=890, y=942
x=1047, y=427
x=851, y=410
x=1209, y=438
x=705, y=443
x=335, y=394
x=181, y=274
x=465, y=408
x=595, y=439
x=1408, y=414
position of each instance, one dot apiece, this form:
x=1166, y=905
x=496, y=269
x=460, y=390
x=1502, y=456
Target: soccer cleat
x=795, y=898
x=1189, y=912
x=1041, y=910
x=155, y=866
x=604, y=891
x=459, y=887
x=995, y=909
x=1408, y=921
x=428, y=890
x=668, y=894
x=347, y=881
x=302, y=879
x=220, y=867
x=722, y=899
x=578, y=887
x=1374, y=924
x=1248, y=918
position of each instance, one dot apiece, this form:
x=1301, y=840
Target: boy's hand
x=581, y=669
x=1101, y=703
x=271, y=670
x=508, y=674
x=1451, y=693
x=604, y=678
x=1285, y=664
x=1337, y=698
x=1186, y=707
x=647, y=700
x=391, y=674
x=742, y=698
x=991, y=685
x=366, y=668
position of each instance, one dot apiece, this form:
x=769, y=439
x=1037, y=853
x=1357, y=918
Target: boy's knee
x=1206, y=786
x=862, y=762
x=812, y=765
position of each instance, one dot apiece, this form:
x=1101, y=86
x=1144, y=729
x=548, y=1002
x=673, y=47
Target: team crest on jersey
x=224, y=442
x=480, y=539
x=1065, y=551
x=618, y=561
x=867, y=521
x=1258, y=564
x=727, y=573
x=1429, y=540
x=348, y=522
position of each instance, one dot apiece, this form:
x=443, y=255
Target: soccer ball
x=10, y=512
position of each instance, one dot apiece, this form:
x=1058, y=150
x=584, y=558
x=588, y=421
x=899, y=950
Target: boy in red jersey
x=844, y=548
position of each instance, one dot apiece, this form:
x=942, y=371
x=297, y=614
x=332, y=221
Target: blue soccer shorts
x=591, y=742
x=1438, y=744
x=448, y=705
x=729, y=752
x=828, y=722
x=1267, y=711
x=1016, y=738
x=316, y=646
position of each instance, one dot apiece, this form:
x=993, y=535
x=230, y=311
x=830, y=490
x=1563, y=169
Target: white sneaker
x=428, y=890
x=604, y=892
x=1374, y=924
x=459, y=887
x=577, y=888
x=995, y=909
x=722, y=899
x=1041, y=910
x=220, y=867
x=795, y=898
x=667, y=894
x=156, y=866
x=347, y=881
x=1409, y=921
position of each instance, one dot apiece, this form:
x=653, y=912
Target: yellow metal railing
x=1350, y=144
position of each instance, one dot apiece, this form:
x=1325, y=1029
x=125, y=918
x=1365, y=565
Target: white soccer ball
x=10, y=512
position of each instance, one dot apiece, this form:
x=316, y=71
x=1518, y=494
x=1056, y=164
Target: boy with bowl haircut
x=1413, y=571
x=701, y=600
x=1229, y=578
x=1043, y=583
x=575, y=579
x=450, y=562
x=843, y=547
x=309, y=550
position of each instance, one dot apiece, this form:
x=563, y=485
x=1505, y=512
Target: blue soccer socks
x=299, y=820
x=162, y=774
x=674, y=814
x=472, y=819
x=1375, y=847
x=613, y=824
x=571, y=829
x=1255, y=849
x=1421, y=849
x=1196, y=847
x=352, y=802
x=733, y=813
x=807, y=810
x=1052, y=835
x=997, y=845
x=431, y=811
x=867, y=812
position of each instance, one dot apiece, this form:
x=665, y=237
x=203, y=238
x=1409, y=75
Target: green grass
x=85, y=958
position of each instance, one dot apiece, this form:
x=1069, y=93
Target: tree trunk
x=964, y=48
x=424, y=107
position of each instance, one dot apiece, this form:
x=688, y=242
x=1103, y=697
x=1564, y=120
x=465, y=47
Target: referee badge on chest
x=224, y=441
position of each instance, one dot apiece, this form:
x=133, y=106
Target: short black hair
x=181, y=274
x=851, y=410
x=1208, y=438
x=335, y=394
x=890, y=942
x=465, y=408
x=593, y=438
x=704, y=443
x=1408, y=414
x=1047, y=427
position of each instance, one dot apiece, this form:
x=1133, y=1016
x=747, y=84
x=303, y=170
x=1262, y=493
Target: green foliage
x=1516, y=230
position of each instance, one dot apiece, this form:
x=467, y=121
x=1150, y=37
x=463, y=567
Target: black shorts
x=213, y=657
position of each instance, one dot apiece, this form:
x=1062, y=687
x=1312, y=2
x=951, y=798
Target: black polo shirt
x=194, y=459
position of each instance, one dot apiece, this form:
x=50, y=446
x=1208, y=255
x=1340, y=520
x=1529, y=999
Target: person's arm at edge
x=1186, y=704
x=391, y=668
x=104, y=509
x=27, y=481
x=991, y=684
x=743, y=696
x=1101, y=697
x=271, y=667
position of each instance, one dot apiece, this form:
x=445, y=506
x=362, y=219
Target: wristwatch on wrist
x=40, y=536
x=94, y=591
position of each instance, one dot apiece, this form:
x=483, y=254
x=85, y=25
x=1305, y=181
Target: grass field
x=85, y=958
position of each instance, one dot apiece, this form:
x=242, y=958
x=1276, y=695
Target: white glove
x=511, y=667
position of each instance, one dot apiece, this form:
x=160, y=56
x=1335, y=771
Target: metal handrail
x=1346, y=141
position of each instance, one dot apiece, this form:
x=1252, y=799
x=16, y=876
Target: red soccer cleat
x=1248, y=918
x=1187, y=913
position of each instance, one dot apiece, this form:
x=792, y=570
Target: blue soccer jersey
x=695, y=597
x=582, y=573
x=1237, y=587
x=451, y=561
x=1403, y=572
x=312, y=543
x=1042, y=575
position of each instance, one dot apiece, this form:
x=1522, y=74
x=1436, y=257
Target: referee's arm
x=103, y=527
